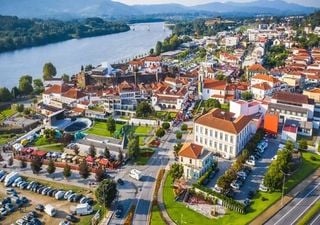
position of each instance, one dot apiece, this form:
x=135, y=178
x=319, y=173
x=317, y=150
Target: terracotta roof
x=220, y=120
x=152, y=59
x=215, y=84
x=257, y=67
x=190, y=150
x=74, y=94
x=315, y=90
x=57, y=89
x=266, y=78
x=262, y=86
x=291, y=97
x=290, y=128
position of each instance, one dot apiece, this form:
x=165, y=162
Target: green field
x=100, y=129
x=141, y=130
x=6, y=113
x=261, y=201
x=156, y=218
x=5, y=138
x=143, y=160
x=58, y=147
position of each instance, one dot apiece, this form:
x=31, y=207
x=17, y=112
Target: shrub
x=166, y=125
x=184, y=127
x=264, y=199
x=313, y=158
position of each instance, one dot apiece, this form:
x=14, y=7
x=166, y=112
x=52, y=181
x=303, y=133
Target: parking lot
x=255, y=177
x=223, y=165
x=63, y=207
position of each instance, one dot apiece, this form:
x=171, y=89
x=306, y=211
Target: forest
x=17, y=33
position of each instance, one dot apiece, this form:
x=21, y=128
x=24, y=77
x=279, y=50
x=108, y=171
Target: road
x=290, y=214
x=141, y=192
x=315, y=220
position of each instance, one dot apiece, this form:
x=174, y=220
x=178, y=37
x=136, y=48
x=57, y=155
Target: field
x=144, y=157
x=261, y=201
x=100, y=129
x=156, y=216
x=6, y=113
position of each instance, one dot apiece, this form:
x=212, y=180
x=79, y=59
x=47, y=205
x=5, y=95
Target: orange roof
x=152, y=59
x=190, y=150
x=57, y=89
x=257, y=67
x=215, y=84
x=74, y=94
x=221, y=120
x=315, y=90
x=262, y=86
x=266, y=78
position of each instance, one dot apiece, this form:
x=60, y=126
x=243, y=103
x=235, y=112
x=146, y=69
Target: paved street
x=298, y=206
x=315, y=220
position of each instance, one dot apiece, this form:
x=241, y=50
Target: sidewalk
x=270, y=212
x=161, y=205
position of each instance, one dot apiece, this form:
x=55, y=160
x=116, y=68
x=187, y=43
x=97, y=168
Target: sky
x=315, y=3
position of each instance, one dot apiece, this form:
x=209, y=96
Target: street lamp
x=284, y=180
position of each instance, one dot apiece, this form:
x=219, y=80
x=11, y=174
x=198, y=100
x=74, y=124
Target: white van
x=50, y=210
x=83, y=209
x=59, y=195
x=135, y=174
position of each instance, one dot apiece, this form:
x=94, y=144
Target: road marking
x=297, y=203
x=308, y=207
x=315, y=220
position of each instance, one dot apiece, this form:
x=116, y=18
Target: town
x=204, y=129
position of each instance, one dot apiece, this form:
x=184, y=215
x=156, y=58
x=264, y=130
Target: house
x=73, y=96
x=247, y=108
x=313, y=94
x=53, y=94
x=256, y=69
x=261, y=90
x=231, y=41
x=217, y=89
x=195, y=159
x=222, y=132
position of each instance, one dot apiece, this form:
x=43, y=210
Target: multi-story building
x=196, y=160
x=222, y=132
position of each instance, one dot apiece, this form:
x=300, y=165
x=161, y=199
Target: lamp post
x=284, y=180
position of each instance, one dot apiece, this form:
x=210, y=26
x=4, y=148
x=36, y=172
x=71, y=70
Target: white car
x=274, y=158
x=217, y=189
x=235, y=185
x=251, y=162
x=251, y=157
x=263, y=188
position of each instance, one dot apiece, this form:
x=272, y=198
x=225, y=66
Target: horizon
x=312, y=3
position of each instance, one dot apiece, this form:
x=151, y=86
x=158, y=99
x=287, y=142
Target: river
x=68, y=56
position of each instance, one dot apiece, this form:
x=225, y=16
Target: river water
x=68, y=56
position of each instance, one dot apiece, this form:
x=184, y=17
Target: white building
x=196, y=160
x=221, y=132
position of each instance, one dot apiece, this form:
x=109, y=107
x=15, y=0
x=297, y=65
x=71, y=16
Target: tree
x=23, y=163
x=120, y=156
x=67, y=171
x=38, y=86
x=25, y=85
x=106, y=192
x=20, y=108
x=144, y=109
x=133, y=147
x=106, y=153
x=212, y=103
x=289, y=145
x=303, y=144
x=246, y=95
x=176, y=171
x=51, y=167
x=166, y=125
x=15, y=92
x=177, y=147
x=5, y=95
x=49, y=71
x=10, y=161
x=27, y=111
x=151, y=52
x=158, y=48
x=184, y=127
x=111, y=125
x=100, y=174
x=160, y=132
x=92, y=151
x=36, y=164
x=84, y=169
x=65, y=78
x=178, y=135
x=220, y=76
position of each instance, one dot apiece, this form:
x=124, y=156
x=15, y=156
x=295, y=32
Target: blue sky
x=315, y=3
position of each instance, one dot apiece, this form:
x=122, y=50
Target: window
x=197, y=128
x=210, y=143
x=231, y=150
x=220, y=147
x=196, y=138
x=211, y=133
x=221, y=136
x=206, y=131
x=200, y=130
x=181, y=159
x=231, y=139
x=201, y=140
x=225, y=148
x=190, y=161
x=216, y=134
x=226, y=137
x=215, y=145
x=205, y=141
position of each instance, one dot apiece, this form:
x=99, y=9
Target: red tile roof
x=74, y=94
x=291, y=97
x=257, y=67
x=57, y=89
x=222, y=120
x=266, y=78
x=190, y=150
x=262, y=86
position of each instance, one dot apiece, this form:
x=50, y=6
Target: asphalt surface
x=315, y=220
x=290, y=214
x=255, y=177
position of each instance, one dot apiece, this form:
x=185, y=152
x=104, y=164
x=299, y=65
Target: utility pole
x=284, y=180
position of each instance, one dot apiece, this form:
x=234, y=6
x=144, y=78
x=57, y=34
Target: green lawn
x=100, y=129
x=143, y=159
x=5, y=138
x=87, y=219
x=58, y=147
x=142, y=130
x=225, y=106
x=7, y=113
x=156, y=218
x=42, y=140
x=312, y=212
x=261, y=201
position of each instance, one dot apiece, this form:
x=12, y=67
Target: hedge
x=230, y=203
x=205, y=176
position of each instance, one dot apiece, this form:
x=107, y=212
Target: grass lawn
x=58, y=147
x=5, y=138
x=225, y=106
x=7, y=113
x=312, y=212
x=260, y=202
x=145, y=155
x=100, y=129
x=87, y=219
x=156, y=217
x=142, y=130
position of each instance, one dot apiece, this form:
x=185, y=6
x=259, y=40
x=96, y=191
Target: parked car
x=120, y=181
x=235, y=185
x=251, y=162
x=72, y=218
x=119, y=211
x=263, y=188
x=50, y=210
x=217, y=189
x=40, y=208
x=64, y=223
